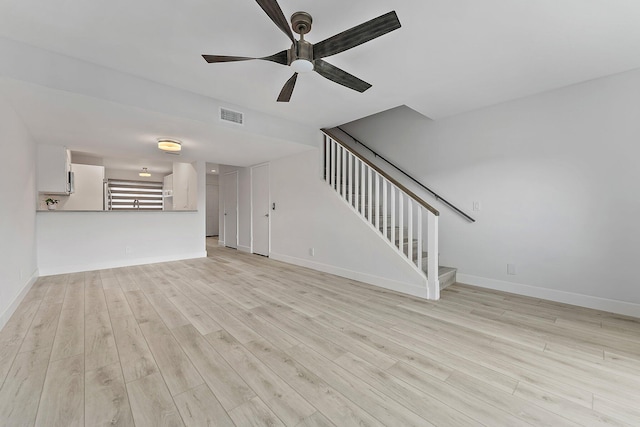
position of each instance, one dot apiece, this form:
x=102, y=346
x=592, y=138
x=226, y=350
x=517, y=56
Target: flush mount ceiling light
x=169, y=145
x=144, y=172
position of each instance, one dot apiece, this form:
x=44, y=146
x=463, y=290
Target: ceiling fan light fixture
x=171, y=145
x=144, y=173
x=302, y=65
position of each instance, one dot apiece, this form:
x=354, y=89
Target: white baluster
x=410, y=230
x=377, y=205
x=393, y=215
x=327, y=158
x=344, y=172
x=363, y=187
x=401, y=221
x=370, y=194
x=385, y=231
x=433, y=284
x=332, y=159
x=338, y=168
x=419, y=234
x=356, y=184
x=350, y=182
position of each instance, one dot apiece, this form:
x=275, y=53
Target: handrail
x=430, y=191
x=395, y=182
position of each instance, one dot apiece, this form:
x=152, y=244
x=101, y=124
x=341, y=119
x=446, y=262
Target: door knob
x=267, y=215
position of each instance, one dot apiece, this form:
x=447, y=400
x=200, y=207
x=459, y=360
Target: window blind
x=134, y=195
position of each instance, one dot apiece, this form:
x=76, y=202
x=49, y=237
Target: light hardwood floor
x=237, y=339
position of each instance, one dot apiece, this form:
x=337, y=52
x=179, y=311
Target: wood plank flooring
x=237, y=339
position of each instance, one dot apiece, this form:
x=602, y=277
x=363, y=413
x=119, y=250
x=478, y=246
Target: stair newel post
x=433, y=284
x=325, y=163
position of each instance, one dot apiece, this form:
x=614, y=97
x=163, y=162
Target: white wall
x=309, y=215
x=81, y=241
x=17, y=211
x=556, y=176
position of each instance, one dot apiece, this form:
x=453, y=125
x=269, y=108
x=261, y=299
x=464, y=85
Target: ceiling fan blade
x=357, y=35
x=211, y=59
x=339, y=76
x=287, y=89
x=272, y=8
x=279, y=58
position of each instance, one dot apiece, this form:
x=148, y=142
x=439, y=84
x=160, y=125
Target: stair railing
x=403, y=219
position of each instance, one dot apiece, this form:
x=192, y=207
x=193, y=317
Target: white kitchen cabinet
x=54, y=165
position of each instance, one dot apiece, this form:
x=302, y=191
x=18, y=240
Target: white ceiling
x=449, y=56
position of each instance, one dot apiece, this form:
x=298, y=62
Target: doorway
x=260, y=209
x=230, y=209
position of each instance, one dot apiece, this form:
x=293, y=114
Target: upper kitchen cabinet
x=54, y=170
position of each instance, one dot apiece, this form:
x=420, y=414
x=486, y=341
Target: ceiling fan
x=304, y=56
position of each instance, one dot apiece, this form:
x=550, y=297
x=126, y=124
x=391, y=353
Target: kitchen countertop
x=118, y=211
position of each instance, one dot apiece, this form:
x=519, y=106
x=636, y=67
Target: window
x=134, y=195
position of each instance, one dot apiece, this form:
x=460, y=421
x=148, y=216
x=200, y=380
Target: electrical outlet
x=312, y=251
x=476, y=206
x=511, y=269
x=128, y=250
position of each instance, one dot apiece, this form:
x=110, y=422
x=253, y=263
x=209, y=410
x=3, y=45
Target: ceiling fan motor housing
x=301, y=49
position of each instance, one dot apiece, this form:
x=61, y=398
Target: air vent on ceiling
x=231, y=116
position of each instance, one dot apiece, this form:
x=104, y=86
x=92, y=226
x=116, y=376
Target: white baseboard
x=597, y=303
x=244, y=248
x=8, y=312
x=49, y=271
x=393, y=285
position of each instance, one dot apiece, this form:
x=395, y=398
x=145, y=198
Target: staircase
x=405, y=221
x=446, y=275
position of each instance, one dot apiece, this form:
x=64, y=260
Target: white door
x=213, y=204
x=230, y=188
x=260, y=209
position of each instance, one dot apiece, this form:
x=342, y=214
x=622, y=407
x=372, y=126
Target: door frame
x=224, y=206
x=253, y=213
x=206, y=206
